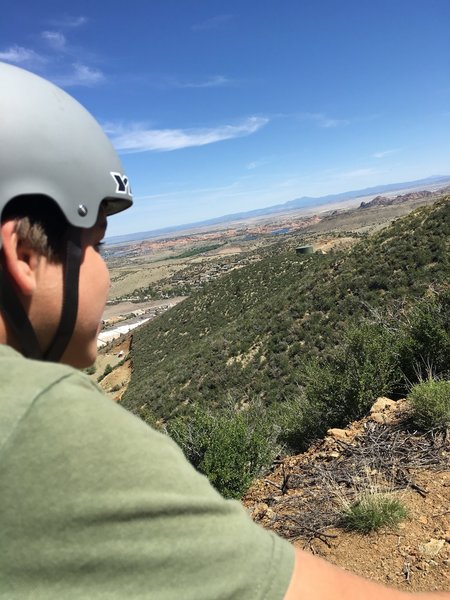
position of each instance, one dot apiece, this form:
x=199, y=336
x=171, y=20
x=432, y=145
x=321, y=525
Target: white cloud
x=21, y=56
x=323, y=120
x=139, y=139
x=55, y=39
x=81, y=75
x=384, y=153
x=212, y=23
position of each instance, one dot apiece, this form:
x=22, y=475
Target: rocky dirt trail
x=302, y=499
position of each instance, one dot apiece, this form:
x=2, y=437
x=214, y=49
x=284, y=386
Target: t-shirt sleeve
x=97, y=505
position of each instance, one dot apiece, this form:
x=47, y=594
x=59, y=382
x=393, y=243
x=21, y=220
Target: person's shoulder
x=24, y=376
x=25, y=382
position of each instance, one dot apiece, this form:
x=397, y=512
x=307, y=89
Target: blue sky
x=221, y=106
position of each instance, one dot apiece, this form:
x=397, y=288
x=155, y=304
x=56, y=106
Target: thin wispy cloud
x=80, y=75
x=384, y=153
x=212, y=23
x=59, y=55
x=322, y=120
x=69, y=22
x=55, y=39
x=138, y=139
x=19, y=55
x=216, y=81
x=255, y=164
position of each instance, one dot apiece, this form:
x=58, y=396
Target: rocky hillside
x=402, y=198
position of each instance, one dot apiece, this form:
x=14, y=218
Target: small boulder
x=338, y=434
x=382, y=404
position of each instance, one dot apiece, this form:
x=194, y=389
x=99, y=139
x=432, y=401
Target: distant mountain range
x=291, y=205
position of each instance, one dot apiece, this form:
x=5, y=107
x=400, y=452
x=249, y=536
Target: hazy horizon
x=348, y=196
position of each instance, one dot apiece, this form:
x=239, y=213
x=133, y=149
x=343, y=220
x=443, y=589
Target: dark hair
x=40, y=222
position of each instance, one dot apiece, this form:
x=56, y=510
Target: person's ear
x=19, y=259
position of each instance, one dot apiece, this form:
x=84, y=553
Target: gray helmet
x=52, y=147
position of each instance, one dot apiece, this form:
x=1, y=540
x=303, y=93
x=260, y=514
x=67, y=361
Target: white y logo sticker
x=122, y=183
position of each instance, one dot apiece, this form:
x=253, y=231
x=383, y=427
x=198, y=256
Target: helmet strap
x=70, y=297
x=17, y=318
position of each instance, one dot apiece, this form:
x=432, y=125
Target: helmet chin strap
x=18, y=321
x=70, y=297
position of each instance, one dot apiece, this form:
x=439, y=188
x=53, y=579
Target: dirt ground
x=115, y=383
x=414, y=555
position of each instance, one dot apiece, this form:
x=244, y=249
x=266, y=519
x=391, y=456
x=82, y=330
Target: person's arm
x=316, y=579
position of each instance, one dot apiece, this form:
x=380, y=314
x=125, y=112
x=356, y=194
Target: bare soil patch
x=126, y=307
x=115, y=383
x=128, y=278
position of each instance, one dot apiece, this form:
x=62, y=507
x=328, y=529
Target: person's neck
x=3, y=333
x=6, y=337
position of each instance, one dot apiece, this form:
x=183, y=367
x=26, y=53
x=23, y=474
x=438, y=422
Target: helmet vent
x=82, y=210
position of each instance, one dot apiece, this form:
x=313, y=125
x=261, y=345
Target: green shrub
x=343, y=386
x=298, y=421
x=90, y=370
x=192, y=434
x=425, y=339
x=107, y=371
x=231, y=448
x=373, y=511
x=430, y=401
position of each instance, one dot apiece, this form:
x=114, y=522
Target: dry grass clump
x=373, y=511
x=371, y=502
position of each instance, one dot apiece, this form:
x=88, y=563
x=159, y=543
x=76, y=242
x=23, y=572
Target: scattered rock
x=338, y=434
x=432, y=548
x=259, y=511
x=379, y=418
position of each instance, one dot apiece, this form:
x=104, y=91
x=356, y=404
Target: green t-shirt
x=96, y=505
